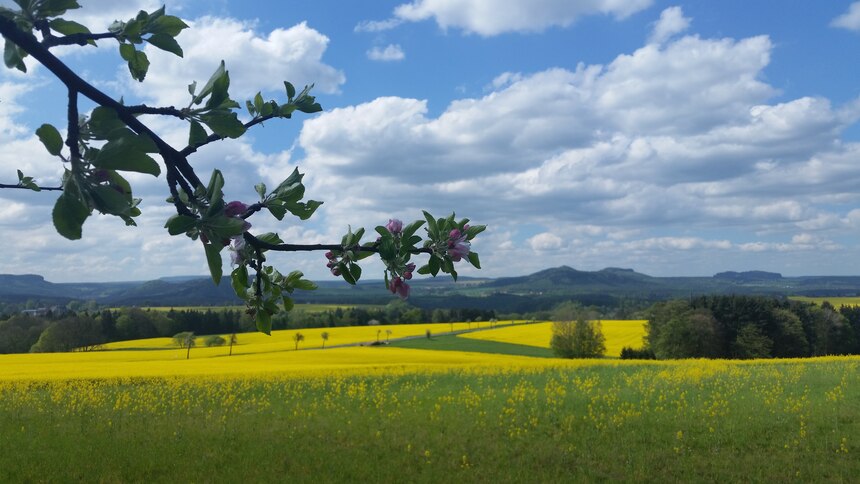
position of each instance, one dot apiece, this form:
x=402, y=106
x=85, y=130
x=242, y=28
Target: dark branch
x=259, y=244
x=74, y=39
x=41, y=53
x=168, y=111
x=44, y=189
x=215, y=137
x=74, y=130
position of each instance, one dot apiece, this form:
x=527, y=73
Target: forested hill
x=610, y=286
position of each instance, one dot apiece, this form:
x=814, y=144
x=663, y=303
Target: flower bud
x=394, y=226
x=335, y=271
x=235, y=208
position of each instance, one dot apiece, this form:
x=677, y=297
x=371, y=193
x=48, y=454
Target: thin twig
x=45, y=189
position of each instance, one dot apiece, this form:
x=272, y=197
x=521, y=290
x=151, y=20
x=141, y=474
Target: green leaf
x=14, y=57
x=207, y=89
x=108, y=200
x=304, y=210
x=52, y=8
x=224, y=123
x=264, y=321
x=355, y=271
x=213, y=259
x=410, y=229
x=167, y=25
x=305, y=285
x=224, y=227
x=270, y=238
x=104, y=122
x=123, y=154
x=474, y=260
x=258, y=102
x=179, y=224
x=288, y=303
x=50, y=137
x=474, y=230
x=213, y=190
x=197, y=135
x=424, y=270
x=239, y=281
x=345, y=273
x=69, y=215
x=433, y=265
x=261, y=189
x=67, y=27
x=165, y=42
x=432, y=229
x=138, y=63
x=291, y=91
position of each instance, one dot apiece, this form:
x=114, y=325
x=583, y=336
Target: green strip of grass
x=455, y=343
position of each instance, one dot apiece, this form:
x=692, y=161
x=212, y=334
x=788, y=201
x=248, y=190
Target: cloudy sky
x=674, y=138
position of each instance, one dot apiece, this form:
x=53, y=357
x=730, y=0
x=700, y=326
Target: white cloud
x=672, y=22
x=849, y=20
x=679, y=135
x=391, y=52
x=377, y=25
x=545, y=242
x=255, y=61
x=493, y=17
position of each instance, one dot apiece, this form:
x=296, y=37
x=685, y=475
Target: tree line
x=729, y=326
x=86, y=331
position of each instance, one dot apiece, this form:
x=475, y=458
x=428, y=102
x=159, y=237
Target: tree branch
x=168, y=111
x=41, y=53
x=50, y=40
x=257, y=243
x=215, y=137
x=46, y=189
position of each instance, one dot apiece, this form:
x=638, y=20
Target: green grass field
x=688, y=421
x=444, y=409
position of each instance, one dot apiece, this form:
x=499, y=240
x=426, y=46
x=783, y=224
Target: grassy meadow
x=419, y=414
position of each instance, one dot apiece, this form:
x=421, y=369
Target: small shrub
x=628, y=353
x=214, y=340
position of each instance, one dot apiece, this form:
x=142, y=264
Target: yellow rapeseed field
x=283, y=340
x=618, y=333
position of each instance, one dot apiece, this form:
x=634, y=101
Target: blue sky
x=674, y=138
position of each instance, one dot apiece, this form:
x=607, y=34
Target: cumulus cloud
x=391, y=52
x=636, y=143
x=545, y=241
x=672, y=22
x=849, y=20
x=256, y=61
x=491, y=17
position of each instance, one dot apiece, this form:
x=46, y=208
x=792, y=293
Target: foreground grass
x=685, y=421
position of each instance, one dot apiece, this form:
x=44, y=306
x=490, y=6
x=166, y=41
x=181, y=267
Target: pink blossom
x=335, y=271
x=394, y=226
x=236, y=247
x=458, y=246
x=235, y=208
x=398, y=286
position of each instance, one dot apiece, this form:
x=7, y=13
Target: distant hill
x=541, y=290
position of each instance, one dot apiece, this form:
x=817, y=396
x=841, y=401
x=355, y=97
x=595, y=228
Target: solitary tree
x=324, y=336
x=115, y=138
x=298, y=337
x=190, y=342
x=233, y=340
x=387, y=335
x=575, y=334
